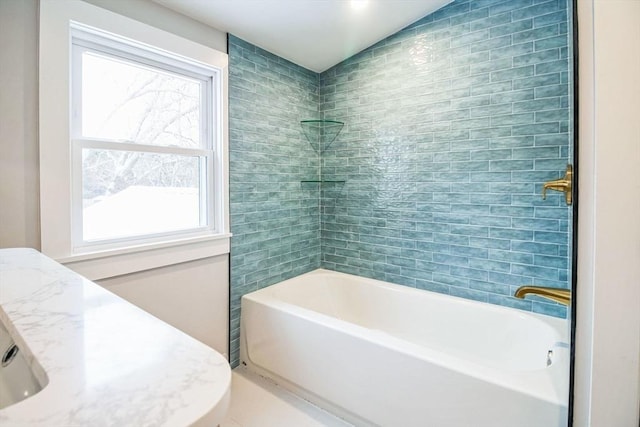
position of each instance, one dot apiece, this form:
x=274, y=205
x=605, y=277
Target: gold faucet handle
x=563, y=184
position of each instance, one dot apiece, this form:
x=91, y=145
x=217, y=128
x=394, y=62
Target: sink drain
x=9, y=355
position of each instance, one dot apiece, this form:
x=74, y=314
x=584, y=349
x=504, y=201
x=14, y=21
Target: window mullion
x=141, y=148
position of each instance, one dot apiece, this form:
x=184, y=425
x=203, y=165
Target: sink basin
x=17, y=380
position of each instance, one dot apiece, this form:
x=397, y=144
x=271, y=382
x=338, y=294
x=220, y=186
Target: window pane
x=125, y=101
x=132, y=194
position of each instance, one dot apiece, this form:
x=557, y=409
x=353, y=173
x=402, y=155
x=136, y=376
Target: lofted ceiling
x=315, y=34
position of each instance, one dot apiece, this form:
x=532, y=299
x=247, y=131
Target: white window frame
x=62, y=22
x=91, y=40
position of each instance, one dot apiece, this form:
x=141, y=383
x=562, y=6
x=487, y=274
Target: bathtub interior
x=485, y=334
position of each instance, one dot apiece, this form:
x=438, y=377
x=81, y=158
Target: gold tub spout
x=563, y=296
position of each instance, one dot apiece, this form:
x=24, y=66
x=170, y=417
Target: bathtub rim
x=529, y=382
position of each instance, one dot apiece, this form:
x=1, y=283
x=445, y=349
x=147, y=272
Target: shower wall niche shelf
x=321, y=133
x=325, y=184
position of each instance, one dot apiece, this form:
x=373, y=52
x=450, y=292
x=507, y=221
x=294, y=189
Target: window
x=142, y=143
x=133, y=143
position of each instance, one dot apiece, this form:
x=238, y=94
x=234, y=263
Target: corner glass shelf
x=321, y=133
x=323, y=185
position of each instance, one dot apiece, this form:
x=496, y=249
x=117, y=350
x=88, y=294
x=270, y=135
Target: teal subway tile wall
x=452, y=125
x=274, y=220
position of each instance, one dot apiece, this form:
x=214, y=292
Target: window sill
x=112, y=263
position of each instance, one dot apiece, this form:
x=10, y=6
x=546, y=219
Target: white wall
x=19, y=181
x=160, y=17
x=607, y=387
x=191, y=296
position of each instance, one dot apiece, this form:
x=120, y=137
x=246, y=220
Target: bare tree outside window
x=126, y=192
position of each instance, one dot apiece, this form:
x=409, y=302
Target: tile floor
x=258, y=402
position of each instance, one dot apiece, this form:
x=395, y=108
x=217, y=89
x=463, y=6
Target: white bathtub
x=376, y=353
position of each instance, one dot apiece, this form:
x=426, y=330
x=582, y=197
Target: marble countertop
x=105, y=362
